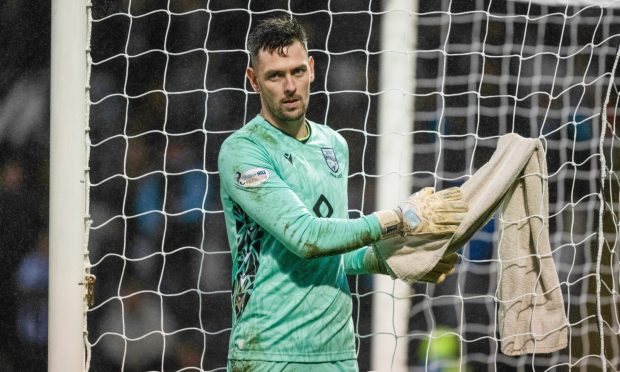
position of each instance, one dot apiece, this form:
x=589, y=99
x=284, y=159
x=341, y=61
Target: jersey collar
x=302, y=140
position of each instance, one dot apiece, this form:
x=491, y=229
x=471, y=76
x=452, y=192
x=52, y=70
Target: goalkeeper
x=284, y=194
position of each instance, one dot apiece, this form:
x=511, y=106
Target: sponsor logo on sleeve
x=252, y=177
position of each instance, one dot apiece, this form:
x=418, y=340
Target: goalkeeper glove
x=376, y=265
x=424, y=216
x=444, y=267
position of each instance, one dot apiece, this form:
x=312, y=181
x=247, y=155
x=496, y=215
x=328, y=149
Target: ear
x=311, y=68
x=251, y=74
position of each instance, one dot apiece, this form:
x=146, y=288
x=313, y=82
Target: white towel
x=514, y=180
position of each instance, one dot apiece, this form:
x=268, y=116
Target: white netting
x=168, y=86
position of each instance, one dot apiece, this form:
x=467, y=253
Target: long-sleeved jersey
x=285, y=204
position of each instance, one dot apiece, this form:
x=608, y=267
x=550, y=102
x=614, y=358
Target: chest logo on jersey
x=252, y=177
x=330, y=158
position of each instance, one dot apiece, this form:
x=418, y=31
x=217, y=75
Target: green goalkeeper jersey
x=285, y=204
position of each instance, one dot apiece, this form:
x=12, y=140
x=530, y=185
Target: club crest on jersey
x=330, y=158
x=252, y=177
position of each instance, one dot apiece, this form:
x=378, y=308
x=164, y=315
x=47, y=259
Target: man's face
x=284, y=84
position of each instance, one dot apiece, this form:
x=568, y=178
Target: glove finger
x=443, y=268
x=452, y=207
x=459, y=205
x=449, y=223
x=449, y=219
x=433, y=277
x=451, y=193
x=422, y=194
x=426, y=191
x=451, y=258
x=436, y=231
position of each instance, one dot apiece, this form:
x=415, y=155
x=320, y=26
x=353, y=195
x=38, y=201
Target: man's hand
x=376, y=264
x=433, y=213
x=444, y=267
x=426, y=215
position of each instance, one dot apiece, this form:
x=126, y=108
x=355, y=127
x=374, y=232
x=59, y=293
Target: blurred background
x=24, y=147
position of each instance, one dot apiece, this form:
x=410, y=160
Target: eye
x=274, y=76
x=299, y=71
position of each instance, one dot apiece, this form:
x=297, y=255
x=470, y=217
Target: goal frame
x=390, y=315
x=68, y=217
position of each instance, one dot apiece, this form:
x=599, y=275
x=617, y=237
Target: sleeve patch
x=252, y=177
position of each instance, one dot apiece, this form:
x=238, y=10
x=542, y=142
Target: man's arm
x=364, y=261
x=249, y=178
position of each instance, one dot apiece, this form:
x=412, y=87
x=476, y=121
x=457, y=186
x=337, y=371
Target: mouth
x=290, y=102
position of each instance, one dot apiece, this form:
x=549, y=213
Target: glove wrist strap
x=391, y=223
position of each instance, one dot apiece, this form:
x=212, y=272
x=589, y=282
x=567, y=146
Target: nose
x=289, y=85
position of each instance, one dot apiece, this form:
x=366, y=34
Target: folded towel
x=514, y=180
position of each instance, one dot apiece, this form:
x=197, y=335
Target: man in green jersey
x=284, y=194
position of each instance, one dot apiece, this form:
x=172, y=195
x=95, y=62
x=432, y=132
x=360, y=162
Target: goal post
x=68, y=165
x=391, y=302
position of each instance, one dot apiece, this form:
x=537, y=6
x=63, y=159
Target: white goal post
x=68, y=217
x=391, y=299
x=144, y=93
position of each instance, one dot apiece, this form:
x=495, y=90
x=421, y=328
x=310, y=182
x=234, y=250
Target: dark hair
x=274, y=34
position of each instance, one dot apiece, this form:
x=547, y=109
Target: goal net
x=167, y=86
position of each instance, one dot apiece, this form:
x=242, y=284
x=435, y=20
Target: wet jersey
x=285, y=205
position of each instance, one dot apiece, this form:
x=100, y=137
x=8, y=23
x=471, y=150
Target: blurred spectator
x=24, y=111
x=19, y=223
x=134, y=339
x=32, y=285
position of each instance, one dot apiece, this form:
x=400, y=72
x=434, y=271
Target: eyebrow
x=303, y=66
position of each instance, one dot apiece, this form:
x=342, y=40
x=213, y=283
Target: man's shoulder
x=244, y=135
x=328, y=133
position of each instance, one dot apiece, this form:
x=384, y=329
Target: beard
x=290, y=115
x=282, y=114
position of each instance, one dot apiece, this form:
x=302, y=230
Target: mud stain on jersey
x=242, y=366
x=264, y=136
x=311, y=250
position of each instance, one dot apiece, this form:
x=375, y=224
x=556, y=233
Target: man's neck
x=297, y=130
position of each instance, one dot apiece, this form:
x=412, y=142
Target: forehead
x=292, y=55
